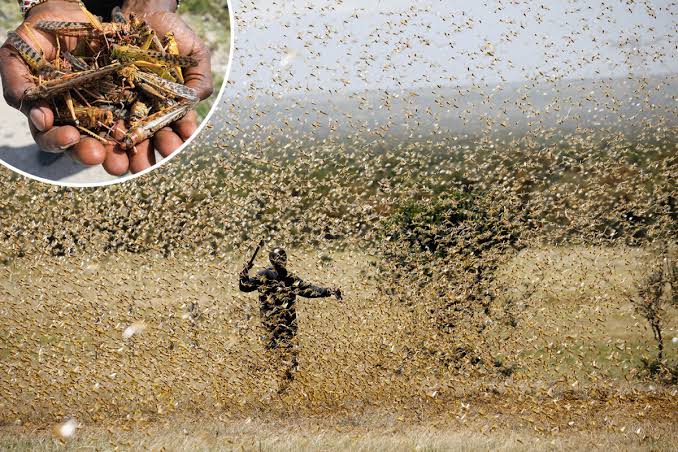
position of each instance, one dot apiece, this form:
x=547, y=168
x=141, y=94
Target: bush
x=460, y=231
x=440, y=257
x=654, y=292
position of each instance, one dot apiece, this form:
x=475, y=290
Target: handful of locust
x=118, y=71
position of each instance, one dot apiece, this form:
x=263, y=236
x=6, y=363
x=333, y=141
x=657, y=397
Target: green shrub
x=461, y=225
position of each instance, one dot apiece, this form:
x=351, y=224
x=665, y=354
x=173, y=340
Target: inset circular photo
x=97, y=92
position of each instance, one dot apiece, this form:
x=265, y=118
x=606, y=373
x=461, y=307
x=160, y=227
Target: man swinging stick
x=278, y=290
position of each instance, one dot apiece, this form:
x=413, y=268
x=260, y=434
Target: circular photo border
x=199, y=130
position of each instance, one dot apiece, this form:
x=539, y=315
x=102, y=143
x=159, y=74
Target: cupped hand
x=17, y=78
x=198, y=77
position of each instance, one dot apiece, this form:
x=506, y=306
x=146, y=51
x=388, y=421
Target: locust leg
x=144, y=30
x=76, y=62
x=103, y=140
x=81, y=97
x=91, y=18
x=155, y=41
x=69, y=104
x=31, y=33
x=146, y=128
x=148, y=89
x=157, y=68
x=97, y=25
x=152, y=40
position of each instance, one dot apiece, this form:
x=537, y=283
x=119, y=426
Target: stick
x=254, y=255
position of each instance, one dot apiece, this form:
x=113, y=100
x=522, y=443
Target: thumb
x=16, y=79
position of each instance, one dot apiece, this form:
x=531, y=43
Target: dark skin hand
x=16, y=78
x=337, y=294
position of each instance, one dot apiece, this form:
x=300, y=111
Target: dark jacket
x=280, y=289
x=277, y=296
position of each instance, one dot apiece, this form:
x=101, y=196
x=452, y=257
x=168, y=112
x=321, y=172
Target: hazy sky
x=288, y=47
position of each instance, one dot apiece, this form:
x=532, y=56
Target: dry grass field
x=342, y=434
x=505, y=240
x=151, y=352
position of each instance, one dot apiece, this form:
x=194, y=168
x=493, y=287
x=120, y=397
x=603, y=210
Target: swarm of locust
x=118, y=71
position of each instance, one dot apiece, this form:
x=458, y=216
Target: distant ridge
x=426, y=111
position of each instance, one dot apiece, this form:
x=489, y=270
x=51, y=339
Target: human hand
x=245, y=270
x=160, y=15
x=337, y=293
x=17, y=78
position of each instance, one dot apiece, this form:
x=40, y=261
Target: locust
x=33, y=59
x=88, y=117
x=66, y=82
x=172, y=48
x=92, y=28
x=82, y=29
x=159, y=62
x=146, y=128
x=157, y=86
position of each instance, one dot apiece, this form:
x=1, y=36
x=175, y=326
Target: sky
x=322, y=46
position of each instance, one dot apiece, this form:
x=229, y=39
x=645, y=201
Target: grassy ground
x=195, y=375
x=348, y=434
x=10, y=17
x=580, y=299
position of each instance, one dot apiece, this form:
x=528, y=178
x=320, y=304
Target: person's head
x=278, y=257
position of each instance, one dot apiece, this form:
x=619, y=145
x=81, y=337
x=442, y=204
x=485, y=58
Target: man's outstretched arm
x=308, y=290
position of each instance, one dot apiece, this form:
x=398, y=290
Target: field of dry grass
x=336, y=434
x=193, y=372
